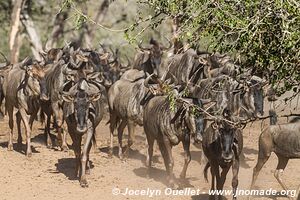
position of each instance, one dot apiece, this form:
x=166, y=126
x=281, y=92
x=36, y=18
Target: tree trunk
x=178, y=46
x=14, y=32
x=35, y=41
x=58, y=30
x=103, y=8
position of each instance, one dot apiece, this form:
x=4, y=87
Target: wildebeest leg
x=131, y=128
x=120, y=136
x=214, y=170
x=282, y=162
x=150, y=142
x=76, y=139
x=223, y=175
x=64, y=140
x=112, y=127
x=166, y=151
x=61, y=135
x=263, y=155
x=18, y=121
x=27, y=131
x=10, y=111
x=88, y=166
x=187, y=154
x=47, y=132
x=84, y=157
x=235, y=179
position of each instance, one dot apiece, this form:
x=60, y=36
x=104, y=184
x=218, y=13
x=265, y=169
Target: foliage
x=263, y=35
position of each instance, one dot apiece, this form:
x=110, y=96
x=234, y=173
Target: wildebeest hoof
x=88, y=171
x=174, y=186
x=10, y=147
x=64, y=148
x=29, y=154
x=182, y=176
x=83, y=182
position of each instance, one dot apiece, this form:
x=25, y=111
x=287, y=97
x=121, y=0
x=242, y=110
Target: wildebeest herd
x=199, y=96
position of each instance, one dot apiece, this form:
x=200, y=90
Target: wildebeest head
x=192, y=117
x=254, y=96
x=81, y=95
x=36, y=82
x=226, y=133
x=153, y=56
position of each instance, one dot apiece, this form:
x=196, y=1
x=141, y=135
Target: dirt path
x=49, y=173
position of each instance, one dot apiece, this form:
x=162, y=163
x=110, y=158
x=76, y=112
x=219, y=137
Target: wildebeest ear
x=146, y=56
x=214, y=125
x=67, y=97
x=94, y=97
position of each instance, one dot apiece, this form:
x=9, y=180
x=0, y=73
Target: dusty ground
x=48, y=174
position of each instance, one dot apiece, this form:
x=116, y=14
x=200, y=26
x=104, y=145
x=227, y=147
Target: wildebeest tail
x=205, y=171
x=273, y=117
x=94, y=143
x=113, y=122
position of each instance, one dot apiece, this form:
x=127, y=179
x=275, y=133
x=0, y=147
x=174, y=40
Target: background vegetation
x=263, y=35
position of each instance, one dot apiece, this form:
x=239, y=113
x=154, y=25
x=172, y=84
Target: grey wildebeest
x=125, y=95
x=24, y=87
x=83, y=111
x=124, y=98
x=169, y=127
x=222, y=145
x=284, y=141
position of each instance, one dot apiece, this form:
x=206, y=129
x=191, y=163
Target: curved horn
x=143, y=48
x=146, y=82
x=170, y=44
x=128, y=62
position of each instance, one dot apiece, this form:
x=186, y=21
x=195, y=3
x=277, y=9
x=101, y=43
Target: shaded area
x=20, y=148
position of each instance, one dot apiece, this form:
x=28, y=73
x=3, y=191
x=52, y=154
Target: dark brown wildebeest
x=284, y=141
x=222, y=145
x=24, y=87
x=83, y=111
x=169, y=128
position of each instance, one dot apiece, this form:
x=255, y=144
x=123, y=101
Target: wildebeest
x=124, y=98
x=83, y=111
x=284, y=141
x=66, y=65
x=192, y=66
x=222, y=145
x=149, y=60
x=169, y=127
x=126, y=94
x=243, y=98
x=24, y=87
